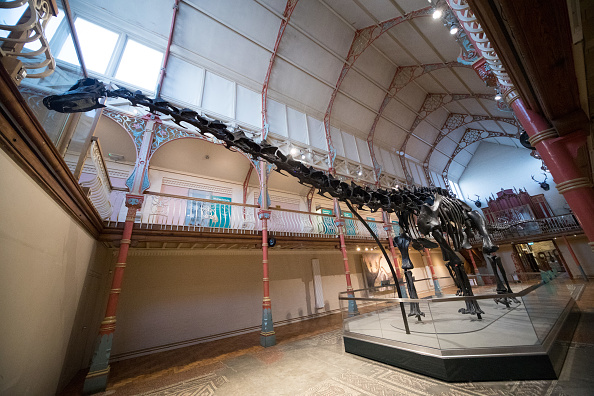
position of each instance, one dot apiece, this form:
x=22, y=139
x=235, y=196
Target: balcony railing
x=173, y=212
x=548, y=226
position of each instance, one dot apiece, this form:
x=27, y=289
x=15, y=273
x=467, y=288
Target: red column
x=430, y=262
x=96, y=379
x=347, y=272
x=393, y=253
x=108, y=323
x=265, y=279
x=479, y=278
x=267, y=334
x=558, y=153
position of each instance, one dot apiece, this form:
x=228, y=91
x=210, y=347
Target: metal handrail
x=440, y=299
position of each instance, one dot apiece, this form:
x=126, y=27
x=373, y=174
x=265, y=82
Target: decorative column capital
x=264, y=214
x=510, y=95
x=134, y=201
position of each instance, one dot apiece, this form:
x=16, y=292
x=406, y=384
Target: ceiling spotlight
x=358, y=249
x=497, y=97
x=360, y=173
x=437, y=14
x=454, y=30
x=294, y=151
x=366, y=248
x=302, y=156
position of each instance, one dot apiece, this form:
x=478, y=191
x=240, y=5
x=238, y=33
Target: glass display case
x=517, y=338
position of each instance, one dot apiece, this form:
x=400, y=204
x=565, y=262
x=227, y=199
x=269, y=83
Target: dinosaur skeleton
x=421, y=211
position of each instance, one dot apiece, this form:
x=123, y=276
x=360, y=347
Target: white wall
x=45, y=256
x=189, y=297
x=583, y=252
x=495, y=166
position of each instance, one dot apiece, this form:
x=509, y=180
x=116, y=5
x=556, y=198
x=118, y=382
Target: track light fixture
x=454, y=29
x=437, y=14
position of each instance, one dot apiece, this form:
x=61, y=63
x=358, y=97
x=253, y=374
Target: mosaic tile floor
x=309, y=359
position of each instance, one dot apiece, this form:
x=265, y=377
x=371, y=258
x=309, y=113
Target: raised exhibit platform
x=527, y=340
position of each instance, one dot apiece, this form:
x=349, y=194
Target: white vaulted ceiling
x=235, y=40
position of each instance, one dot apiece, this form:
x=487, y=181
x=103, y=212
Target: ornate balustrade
x=99, y=187
x=173, y=212
x=547, y=227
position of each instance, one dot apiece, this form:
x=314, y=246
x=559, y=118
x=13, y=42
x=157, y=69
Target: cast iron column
x=399, y=282
x=96, y=379
x=436, y=285
x=339, y=221
x=267, y=335
x=137, y=183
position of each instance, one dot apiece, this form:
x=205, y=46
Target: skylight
x=140, y=65
x=97, y=45
x=10, y=17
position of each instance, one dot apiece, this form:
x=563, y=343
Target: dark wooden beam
x=23, y=138
x=533, y=40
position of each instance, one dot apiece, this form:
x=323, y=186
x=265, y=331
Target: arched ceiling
x=384, y=71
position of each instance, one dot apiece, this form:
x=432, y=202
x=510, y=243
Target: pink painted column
x=137, y=183
x=96, y=379
x=339, y=221
x=267, y=335
x=399, y=281
x=479, y=278
x=436, y=285
x=558, y=154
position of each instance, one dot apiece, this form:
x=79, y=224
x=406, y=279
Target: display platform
x=527, y=340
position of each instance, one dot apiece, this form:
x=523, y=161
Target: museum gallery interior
x=296, y=197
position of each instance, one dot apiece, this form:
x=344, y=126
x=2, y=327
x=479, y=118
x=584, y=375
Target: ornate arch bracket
x=457, y=120
x=362, y=40
x=470, y=136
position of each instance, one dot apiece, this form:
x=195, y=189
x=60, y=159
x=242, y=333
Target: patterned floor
x=316, y=364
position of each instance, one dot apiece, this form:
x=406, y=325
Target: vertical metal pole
x=96, y=379
x=436, y=285
x=267, y=335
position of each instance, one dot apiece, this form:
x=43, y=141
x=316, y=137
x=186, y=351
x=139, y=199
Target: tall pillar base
x=267, y=335
x=479, y=280
x=437, y=288
x=583, y=273
x=353, y=309
x=96, y=380
x=403, y=291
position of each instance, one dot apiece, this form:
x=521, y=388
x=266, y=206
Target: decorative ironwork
x=289, y=8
